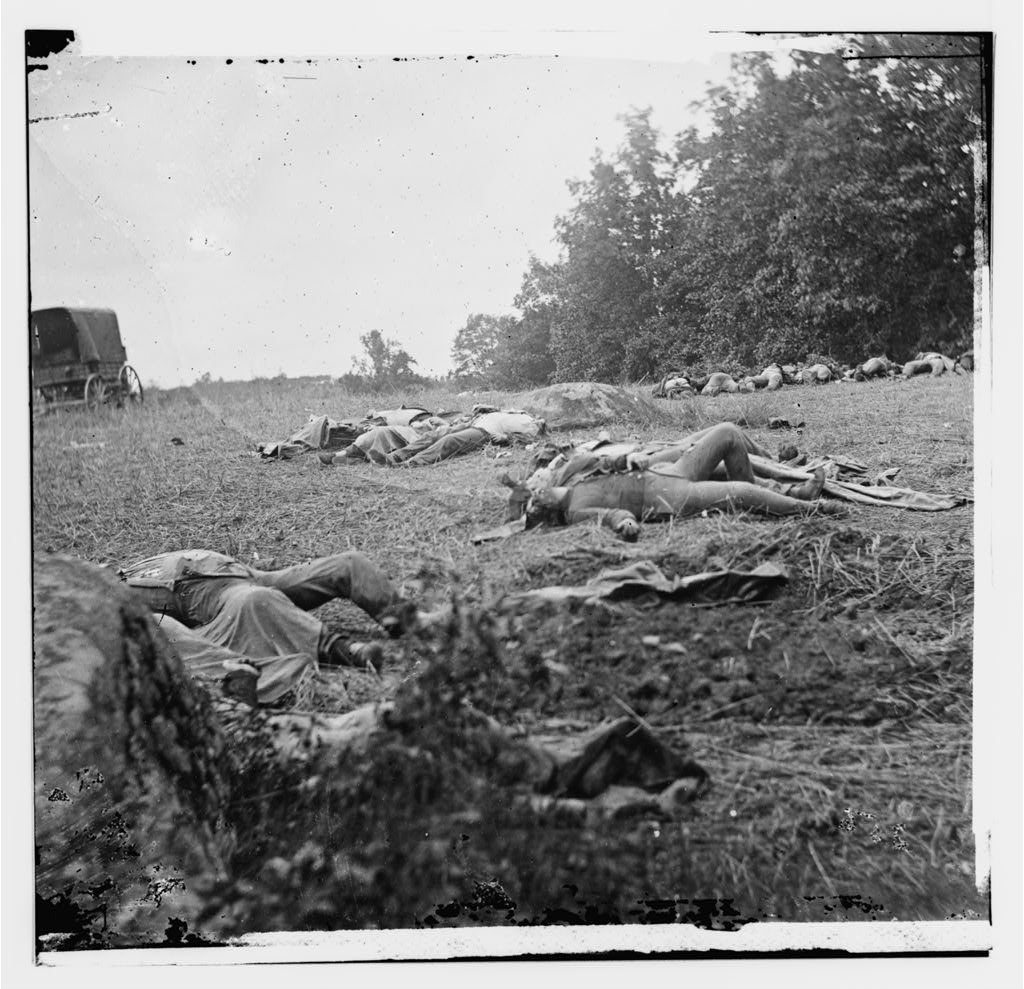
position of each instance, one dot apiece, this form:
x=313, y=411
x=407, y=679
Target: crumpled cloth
x=320, y=433
x=840, y=483
x=398, y=417
x=500, y=532
x=209, y=660
x=762, y=583
x=380, y=441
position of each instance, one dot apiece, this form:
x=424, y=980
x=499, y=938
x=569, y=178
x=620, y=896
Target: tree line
x=828, y=209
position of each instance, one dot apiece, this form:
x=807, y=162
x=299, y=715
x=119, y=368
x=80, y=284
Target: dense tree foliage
x=384, y=364
x=509, y=351
x=827, y=206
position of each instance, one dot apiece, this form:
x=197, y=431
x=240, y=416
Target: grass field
x=835, y=721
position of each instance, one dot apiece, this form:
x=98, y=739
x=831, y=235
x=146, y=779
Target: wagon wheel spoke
x=130, y=385
x=95, y=391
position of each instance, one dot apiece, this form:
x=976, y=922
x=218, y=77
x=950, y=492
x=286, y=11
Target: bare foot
x=629, y=529
x=811, y=489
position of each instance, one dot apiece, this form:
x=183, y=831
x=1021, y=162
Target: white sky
x=247, y=219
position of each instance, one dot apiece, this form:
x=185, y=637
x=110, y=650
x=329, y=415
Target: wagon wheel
x=130, y=386
x=95, y=391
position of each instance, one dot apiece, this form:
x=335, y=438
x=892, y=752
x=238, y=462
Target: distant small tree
x=505, y=351
x=385, y=362
x=484, y=351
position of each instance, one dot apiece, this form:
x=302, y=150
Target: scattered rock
x=131, y=743
x=581, y=404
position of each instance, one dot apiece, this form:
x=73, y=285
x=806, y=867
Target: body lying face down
x=622, y=485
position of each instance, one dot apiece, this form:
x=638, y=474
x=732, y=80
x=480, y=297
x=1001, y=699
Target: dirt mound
x=582, y=404
x=128, y=763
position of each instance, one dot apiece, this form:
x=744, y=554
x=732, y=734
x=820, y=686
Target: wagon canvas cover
x=65, y=336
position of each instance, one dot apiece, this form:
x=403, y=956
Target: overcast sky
x=246, y=219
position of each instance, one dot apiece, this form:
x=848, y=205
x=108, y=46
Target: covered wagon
x=78, y=358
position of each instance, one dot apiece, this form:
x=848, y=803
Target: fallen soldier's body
x=673, y=483
x=932, y=363
x=253, y=619
x=770, y=378
x=617, y=753
x=323, y=433
x=397, y=445
x=218, y=611
x=318, y=433
x=719, y=383
x=561, y=471
x=672, y=386
x=816, y=374
x=873, y=367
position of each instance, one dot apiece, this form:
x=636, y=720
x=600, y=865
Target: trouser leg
x=410, y=450
x=206, y=660
x=623, y=753
x=452, y=445
x=262, y=621
x=725, y=443
x=345, y=575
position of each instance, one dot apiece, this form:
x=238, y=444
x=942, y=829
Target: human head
x=545, y=507
x=519, y=497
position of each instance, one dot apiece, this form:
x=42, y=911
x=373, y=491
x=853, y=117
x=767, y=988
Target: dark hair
x=546, y=453
x=518, y=499
x=538, y=514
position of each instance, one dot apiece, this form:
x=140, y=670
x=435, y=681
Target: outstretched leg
x=668, y=496
x=452, y=444
x=724, y=443
x=345, y=575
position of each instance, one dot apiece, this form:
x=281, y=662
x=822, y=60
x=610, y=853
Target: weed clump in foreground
x=432, y=826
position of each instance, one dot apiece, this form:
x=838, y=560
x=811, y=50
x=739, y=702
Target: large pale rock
x=583, y=404
x=130, y=770
x=145, y=779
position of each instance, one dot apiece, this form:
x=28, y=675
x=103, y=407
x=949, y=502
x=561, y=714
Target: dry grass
x=835, y=721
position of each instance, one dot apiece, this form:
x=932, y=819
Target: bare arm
x=619, y=520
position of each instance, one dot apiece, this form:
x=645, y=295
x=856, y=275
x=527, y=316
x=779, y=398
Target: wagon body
x=78, y=358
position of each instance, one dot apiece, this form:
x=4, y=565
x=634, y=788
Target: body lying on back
x=931, y=363
x=677, y=481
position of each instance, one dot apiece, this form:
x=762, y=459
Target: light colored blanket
x=841, y=481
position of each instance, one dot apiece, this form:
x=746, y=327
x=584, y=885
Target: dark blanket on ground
x=644, y=578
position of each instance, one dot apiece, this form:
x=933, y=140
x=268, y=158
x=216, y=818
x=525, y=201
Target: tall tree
x=527, y=357
x=503, y=351
x=828, y=206
x=611, y=240
x=475, y=349
x=385, y=362
x=825, y=219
